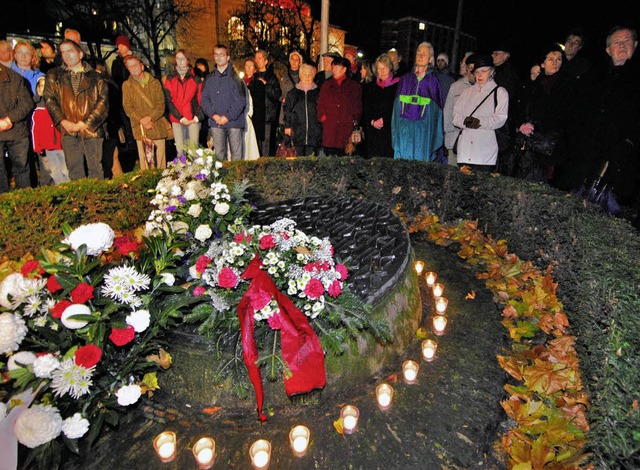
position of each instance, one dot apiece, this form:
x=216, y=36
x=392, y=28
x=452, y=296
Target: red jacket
x=44, y=135
x=339, y=106
x=183, y=96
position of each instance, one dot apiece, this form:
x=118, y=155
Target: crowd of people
x=561, y=126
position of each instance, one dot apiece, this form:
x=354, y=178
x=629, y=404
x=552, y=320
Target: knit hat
x=351, y=50
x=123, y=40
x=443, y=56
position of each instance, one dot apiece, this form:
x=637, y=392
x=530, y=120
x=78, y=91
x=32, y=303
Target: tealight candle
x=439, y=324
x=431, y=278
x=165, y=446
x=441, y=305
x=438, y=289
x=429, y=347
x=419, y=266
x=349, y=415
x=204, y=452
x=299, y=439
x=260, y=453
x=384, y=393
x=410, y=371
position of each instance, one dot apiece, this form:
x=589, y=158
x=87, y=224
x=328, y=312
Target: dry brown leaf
x=163, y=359
x=396, y=190
x=466, y=169
x=471, y=295
x=338, y=424
x=211, y=410
x=302, y=249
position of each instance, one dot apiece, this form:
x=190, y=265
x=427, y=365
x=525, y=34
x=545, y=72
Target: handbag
x=544, y=144
x=286, y=151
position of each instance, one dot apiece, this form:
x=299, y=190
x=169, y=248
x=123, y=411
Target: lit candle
x=349, y=415
x=204, y=452
x=439, y=324
x=431, y=278
x=384, y=393
x=419, y=265
x=260, y=453
x=441, y=305
x=299, y=439
x=429, y=347
x=165, y=446
x=410, y=371
x=438, y=289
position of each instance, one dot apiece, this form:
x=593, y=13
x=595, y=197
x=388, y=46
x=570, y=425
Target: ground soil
x=450, y=419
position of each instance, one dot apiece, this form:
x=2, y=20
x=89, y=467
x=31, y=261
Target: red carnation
x=59, y=308
x=343, y=271
x=81, y=293
x=275, y=321
x=259, y=299
x=267, y=242
x=198, y=291
x=314, y=289
x=120, y=337
x=324, y=266
x=335, y=289
x=125, y=245
x=30, y=266
x=227, y=278
x=88, y=356
x=202, y=264
x=241, y=237
x=52, y=284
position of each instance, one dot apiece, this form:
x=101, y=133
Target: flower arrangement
x=80, y=335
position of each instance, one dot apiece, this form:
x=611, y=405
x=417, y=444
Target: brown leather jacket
x=90, y=105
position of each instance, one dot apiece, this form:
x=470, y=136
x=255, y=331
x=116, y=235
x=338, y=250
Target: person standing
x=16, y=104
x=47, y=55
x=224, y=102
x=290, y=78
x=443, y=74
x=300, y=114
x=77, y=98
x=451, y=132
x=183, y=93
x=26, y=62
x=326, y=73
x=480, y=110
x=143, y=102
x=575, y=65
x=273, y=94
x=6, y=53
x=257, y=91
x=417, y=129
x=339, y=108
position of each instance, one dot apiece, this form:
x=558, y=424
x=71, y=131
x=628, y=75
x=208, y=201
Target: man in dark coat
x=15, y=107
x=273, y=99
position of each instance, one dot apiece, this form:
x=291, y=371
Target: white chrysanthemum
x=97, y=237
x=74, y=309
x=71, y=378
x=139, y=320
x=75, y=427
x=44, y=366
x=13, y=329
x=11, y=290
x=194, y=210
x=193, y=273
x=168, y=278
x=38, y=425
x=222, y=208
x=128, y=395
x=203, y=232
x=20, y=359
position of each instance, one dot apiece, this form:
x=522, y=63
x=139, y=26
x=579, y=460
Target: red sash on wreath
x=301, y=349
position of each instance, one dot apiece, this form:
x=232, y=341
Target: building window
x=235, y=28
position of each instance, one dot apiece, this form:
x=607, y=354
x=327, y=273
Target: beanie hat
x=123, y=40
x=443, y=56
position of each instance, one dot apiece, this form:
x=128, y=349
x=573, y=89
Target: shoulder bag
x=455, y=144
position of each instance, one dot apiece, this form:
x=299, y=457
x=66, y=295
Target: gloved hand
x=471, y=122
x=527, y=129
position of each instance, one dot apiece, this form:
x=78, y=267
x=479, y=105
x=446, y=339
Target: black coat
x=258, y=95
x=300, y=114
x=273, y=93
x=378, y=103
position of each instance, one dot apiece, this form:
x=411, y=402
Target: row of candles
x=204, y=450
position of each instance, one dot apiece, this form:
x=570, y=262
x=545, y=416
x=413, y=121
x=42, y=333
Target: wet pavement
x=450, y=418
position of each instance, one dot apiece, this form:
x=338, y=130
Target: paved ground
x=450, y=418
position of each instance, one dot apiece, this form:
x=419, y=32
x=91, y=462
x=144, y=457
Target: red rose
x=343, y=271
x=335, y=289
x=52, y=284
x=198, y=291
x=58, y=309
x=88, y=356
x=81, y=293
x=120, y=337
x=267, y=242
x=314, y=289
x=30, y=266
x=125, y=245
x=202, y=264
x=227, y=278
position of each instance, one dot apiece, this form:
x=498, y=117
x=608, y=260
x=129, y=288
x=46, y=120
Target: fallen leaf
x=135, y=177
x=635, y=405
x=619, y=352
x=163, y=359
x=211, y=410
x=464, y=438
x=465, y=169
x=471, y=295
x=421, y=333
x=393, y=378
x=302, y=249
x=338, y=424
x=396, y=190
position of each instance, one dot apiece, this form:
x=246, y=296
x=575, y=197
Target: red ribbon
x=301, y=349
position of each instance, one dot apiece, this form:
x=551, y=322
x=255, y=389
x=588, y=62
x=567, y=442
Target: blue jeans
x=53, y=168
x=18, y=151
x=185, y=134
x=233, y=136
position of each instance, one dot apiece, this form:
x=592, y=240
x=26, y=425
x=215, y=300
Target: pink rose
x=343, y=271
x=227, y=278
x=267, y=242
x=202, y=264
x=335, y=289
x=314, y=289
x=198, y=291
